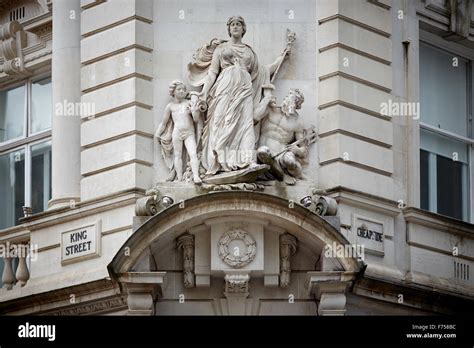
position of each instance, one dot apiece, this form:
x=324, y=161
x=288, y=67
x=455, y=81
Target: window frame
x=27, y=136
x=439, y=43
x=25, y=114
x=30, y=101
x=28, y=139
x=29, y=166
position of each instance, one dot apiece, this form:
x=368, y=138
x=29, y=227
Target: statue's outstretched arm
x=273, y=66
x=261, y=110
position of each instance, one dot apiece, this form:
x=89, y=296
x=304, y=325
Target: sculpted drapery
x=229, y=138
x=232, y=113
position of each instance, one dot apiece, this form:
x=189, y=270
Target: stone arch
x=310, y=229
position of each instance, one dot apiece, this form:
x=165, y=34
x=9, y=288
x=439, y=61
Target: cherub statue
x=178, y=126
x=283, y=143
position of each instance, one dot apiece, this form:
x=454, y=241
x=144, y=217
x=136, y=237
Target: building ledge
x=438, y=221
x=347, y=195
x=80, y=209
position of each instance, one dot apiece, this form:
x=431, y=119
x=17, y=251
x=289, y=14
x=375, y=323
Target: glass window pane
x=424, y=180
x=443, y=89
x=450, y=187
x=444, y=175
x=41, y=105
x=12, y=113
x=12, y=187
x=40, y=176
x=444, y=146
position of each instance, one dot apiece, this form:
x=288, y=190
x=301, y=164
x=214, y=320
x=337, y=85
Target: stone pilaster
x=117, y=140
x=355, y=78
x=186, y=243
x=66, y=91
x=288, y=245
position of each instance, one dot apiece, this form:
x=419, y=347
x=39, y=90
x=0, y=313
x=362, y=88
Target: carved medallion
x=235, y=257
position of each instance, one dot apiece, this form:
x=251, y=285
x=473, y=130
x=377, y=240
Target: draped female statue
x=232, y=81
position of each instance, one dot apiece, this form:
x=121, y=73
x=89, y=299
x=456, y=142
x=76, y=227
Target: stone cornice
x=57, y=300
x=439, y=222
x=417, y=296
x=36, y=53
x=22, y=232
x=346, y=195
x=104, y=203
x=437, y=13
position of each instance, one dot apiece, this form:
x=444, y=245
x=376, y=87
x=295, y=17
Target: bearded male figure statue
x=283, y=142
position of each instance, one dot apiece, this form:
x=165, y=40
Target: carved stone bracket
x=186, y=242
x=460, y=19
x=236, y=291
x=12, y=42
x=320, y=204
x=152, y=203
x=288, y=245
x=236, y=285
x=329, y=288
x=143, y=288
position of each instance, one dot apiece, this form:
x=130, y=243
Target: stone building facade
x=381, y=223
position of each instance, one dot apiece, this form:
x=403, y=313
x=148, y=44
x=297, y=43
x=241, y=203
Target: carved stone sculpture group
x=231, y=127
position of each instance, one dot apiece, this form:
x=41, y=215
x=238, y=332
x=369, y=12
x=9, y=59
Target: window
x=25, y=149
x=12, y=110
x=446, y=134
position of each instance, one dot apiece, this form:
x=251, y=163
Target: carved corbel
x=143, y=289
x=288, y=245
x=236, y=285
x=12, y=42
x=236, y=291
x=321, y=205
x=460, y=19
x=186, y=242
x=329, y=288
x=152, y=203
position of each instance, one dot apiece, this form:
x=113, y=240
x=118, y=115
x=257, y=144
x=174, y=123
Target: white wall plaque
x=370, y=234
x=81, y=243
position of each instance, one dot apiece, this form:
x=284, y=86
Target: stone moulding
x=232, y=187
x=12, y=42
x=117, y=303
x=455, y=16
